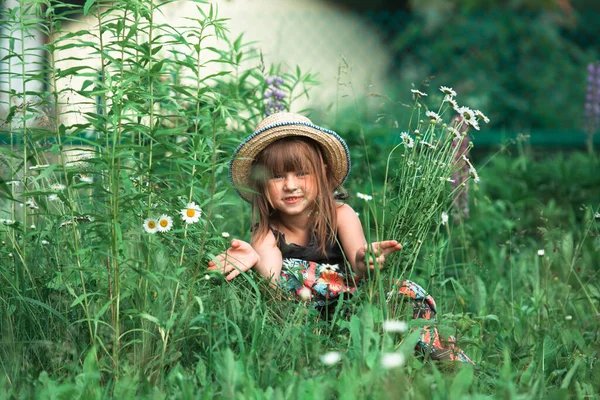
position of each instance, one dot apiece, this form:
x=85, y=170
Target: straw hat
x=278, y=126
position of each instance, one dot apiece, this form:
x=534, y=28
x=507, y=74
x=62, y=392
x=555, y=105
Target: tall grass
x=136, y=120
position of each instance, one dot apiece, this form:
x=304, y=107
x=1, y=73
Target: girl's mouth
x=292, y=199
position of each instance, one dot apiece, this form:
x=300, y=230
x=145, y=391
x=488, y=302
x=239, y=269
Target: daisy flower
x=541, y=252
x=448, y=91
x=39, y=166
x=330, y=358
x=86, y=179
x=433, y=116
x=418, y=92
x=31, y=204
x=394, y=326
x=165, y=223
x=407, y=140
x=444, y=218
x=6, y=222
x=468, y=116
x=53, y=197
x=150, y=225
x=225, y=234
x=191, y=213
x=392, y=360
x=58, y=187
x=474, y=174
x=482, y=116
x=365, y=197
x=452, y=102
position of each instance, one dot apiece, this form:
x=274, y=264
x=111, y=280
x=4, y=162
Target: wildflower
x=14, y=183
x=392, y=360
x=541, y=252
x=418, y=93
x=207, y=277
x=59, y=187
x=32, y=226
x=225, y=234
x=482, y=116
x=7, y=222
x=592, y=101
x=150, y=225
x=474, y=175
x=394, y=326
x=274, y=95
x=53, y=197
x=331, y=357
x=45, y=242
x=304, y=293
x=165, y=223
x=448, y=91
x=365, y=197
x=597, y=215
x=444, y=218
x=85, y=178
x=433, y=117
x=31, y=204
x=191, y=214
x=569, y=317
x=468, y=116
x=407, y=140
x=451, y=101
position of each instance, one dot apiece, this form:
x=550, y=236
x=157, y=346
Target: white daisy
x=444, y=218
x=59, y=187
x=45, y=242
x=31, y=204
x=394, y=326
x=427, y=144
x=330, y=358
x=468, y=116
x=6, y=222
x=392, y=360
x=407, y=140
x=452, y=101
x=164, y=223
x=150, y=225
x=39, y=166
x=52, y=197
x=474, y=174
x=85, y=178
x=191, y=213
x=225, y=234
x=448, y=91
x=365, y=197
x=541, y=252
x=482, y=116
x=418, y=92
x=433, y=117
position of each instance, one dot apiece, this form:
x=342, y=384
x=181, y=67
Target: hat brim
x=335, y=151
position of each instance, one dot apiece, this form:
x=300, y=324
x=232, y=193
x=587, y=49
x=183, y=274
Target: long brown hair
x=295, y=153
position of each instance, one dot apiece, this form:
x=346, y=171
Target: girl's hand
x=240, y=257
x=378, y=251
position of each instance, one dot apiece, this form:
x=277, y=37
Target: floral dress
x=324, y=279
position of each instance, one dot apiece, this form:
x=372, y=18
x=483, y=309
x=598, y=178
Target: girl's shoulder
x=344, y=210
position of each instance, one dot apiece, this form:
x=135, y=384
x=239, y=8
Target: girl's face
x=292, y=193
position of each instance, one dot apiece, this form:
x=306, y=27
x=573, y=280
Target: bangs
x=290, y=154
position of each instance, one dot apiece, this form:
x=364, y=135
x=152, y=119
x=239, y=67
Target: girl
x=305, y=240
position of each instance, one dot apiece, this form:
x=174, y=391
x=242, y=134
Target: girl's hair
x=290, y=154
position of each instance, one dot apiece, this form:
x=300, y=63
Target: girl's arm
x=263, y=255
x=270, y=259
x=354, y=244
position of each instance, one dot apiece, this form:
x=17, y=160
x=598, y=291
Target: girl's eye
x=277, y=176
x=302, y=173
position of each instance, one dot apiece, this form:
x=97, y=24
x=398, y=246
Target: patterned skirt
x=322, y=284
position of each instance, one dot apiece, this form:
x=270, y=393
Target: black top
x=334, y=253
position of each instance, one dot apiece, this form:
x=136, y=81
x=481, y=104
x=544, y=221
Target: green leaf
x=461, y=383
x=86, y=7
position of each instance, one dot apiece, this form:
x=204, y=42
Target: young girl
x=305, y=240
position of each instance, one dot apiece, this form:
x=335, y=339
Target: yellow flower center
x=151, y=224
x=163, y=223
x=190, y=212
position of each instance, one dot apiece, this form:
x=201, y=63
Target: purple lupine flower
x=274, y=94
x=592, y=101
x=460, y=204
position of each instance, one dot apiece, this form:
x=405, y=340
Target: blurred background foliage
x=523, y=62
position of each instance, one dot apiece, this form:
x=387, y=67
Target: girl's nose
x=290, y=183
